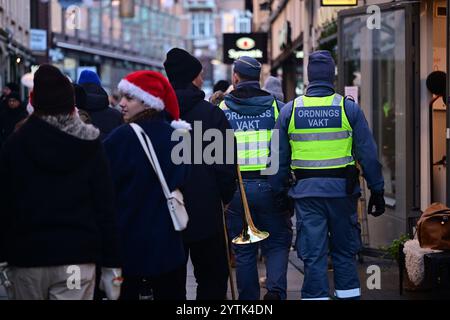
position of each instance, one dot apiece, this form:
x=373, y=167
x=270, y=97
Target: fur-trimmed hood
x=59, y=143
x=73, y=125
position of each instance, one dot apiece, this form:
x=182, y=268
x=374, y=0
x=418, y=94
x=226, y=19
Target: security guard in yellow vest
x=252, y=113
x=321, y=136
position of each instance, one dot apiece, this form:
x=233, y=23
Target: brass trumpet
x=249, y=234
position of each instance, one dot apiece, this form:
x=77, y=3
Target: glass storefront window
x=116, y=27
x=94, y=22
x=106, y=22
x=378, y=57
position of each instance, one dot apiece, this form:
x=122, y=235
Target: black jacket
x=8, y=120
x=57, y=204
x=208, y=185
x=105, y=118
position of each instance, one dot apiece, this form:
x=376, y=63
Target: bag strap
x=151, y=155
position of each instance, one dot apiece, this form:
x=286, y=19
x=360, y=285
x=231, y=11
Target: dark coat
x=8, y=120
x=150, y=246
x=209, y=185
x=57, y=199
x=105, y=118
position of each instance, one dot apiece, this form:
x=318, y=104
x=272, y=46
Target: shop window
x=374, y=61
x=94, y=23
x=202, y=25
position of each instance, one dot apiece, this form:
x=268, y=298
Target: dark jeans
x=209, y=259
x=168, y=286
x=275, y=248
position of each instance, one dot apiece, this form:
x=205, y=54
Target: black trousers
x=209, y=258
x=168, y=286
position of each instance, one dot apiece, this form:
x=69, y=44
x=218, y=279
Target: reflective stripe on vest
x=320, y=134
x=253, y=134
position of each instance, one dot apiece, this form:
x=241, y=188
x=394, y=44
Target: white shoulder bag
x=175, y=201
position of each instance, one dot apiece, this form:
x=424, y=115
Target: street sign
x=236, y=45
x=338, y=3
x=38, y=40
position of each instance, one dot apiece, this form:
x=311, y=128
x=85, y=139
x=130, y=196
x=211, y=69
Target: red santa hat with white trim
x=155, y=91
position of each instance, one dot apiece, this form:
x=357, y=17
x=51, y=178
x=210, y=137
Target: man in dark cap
x=209, y=186
x=321, y=147
x=252, y=113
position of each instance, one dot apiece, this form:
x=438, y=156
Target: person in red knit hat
x=150, y=89
x=151, y=250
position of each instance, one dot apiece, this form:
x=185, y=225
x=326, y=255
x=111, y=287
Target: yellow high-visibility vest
x=253, y=134
x=320, y=134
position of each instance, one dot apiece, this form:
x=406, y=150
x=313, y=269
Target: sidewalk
x=294, y=279
x=389, y=281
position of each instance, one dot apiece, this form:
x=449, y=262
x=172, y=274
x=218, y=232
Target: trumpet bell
x=251, y=236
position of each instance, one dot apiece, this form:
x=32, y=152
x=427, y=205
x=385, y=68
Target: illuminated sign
x=333, y=3
x=236, y=45
x=245, y=43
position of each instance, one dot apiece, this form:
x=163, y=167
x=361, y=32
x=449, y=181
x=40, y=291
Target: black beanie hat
x=182, y=67
x=52, y=92
x=15, y=96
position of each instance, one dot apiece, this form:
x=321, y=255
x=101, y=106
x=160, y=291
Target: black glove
x=377, y=200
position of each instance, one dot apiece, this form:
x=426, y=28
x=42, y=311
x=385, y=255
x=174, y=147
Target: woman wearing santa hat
x=152, y=251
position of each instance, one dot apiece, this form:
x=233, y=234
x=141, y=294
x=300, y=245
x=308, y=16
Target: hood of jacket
x=61, y=147
x=319, y=89
x=188, y=98
x=96, y=97
x=248, y=99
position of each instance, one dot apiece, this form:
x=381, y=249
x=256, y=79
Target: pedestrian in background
x=114, y=100
x=6, y=91
x=322, y=148
x=152, y=251
x=274, y=86
x=209, y=187
x=103, y=117
x=11, y=115
x=57, y=208
x=219, y=91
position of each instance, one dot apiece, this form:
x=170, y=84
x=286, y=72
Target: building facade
x=296, y=28
x=203, y=24
x=15, y=55
x=93, y=35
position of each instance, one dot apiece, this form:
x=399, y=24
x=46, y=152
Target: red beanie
x=155, y=91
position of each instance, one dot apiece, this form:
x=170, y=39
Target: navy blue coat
x=149, y=244
x=209, y=185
